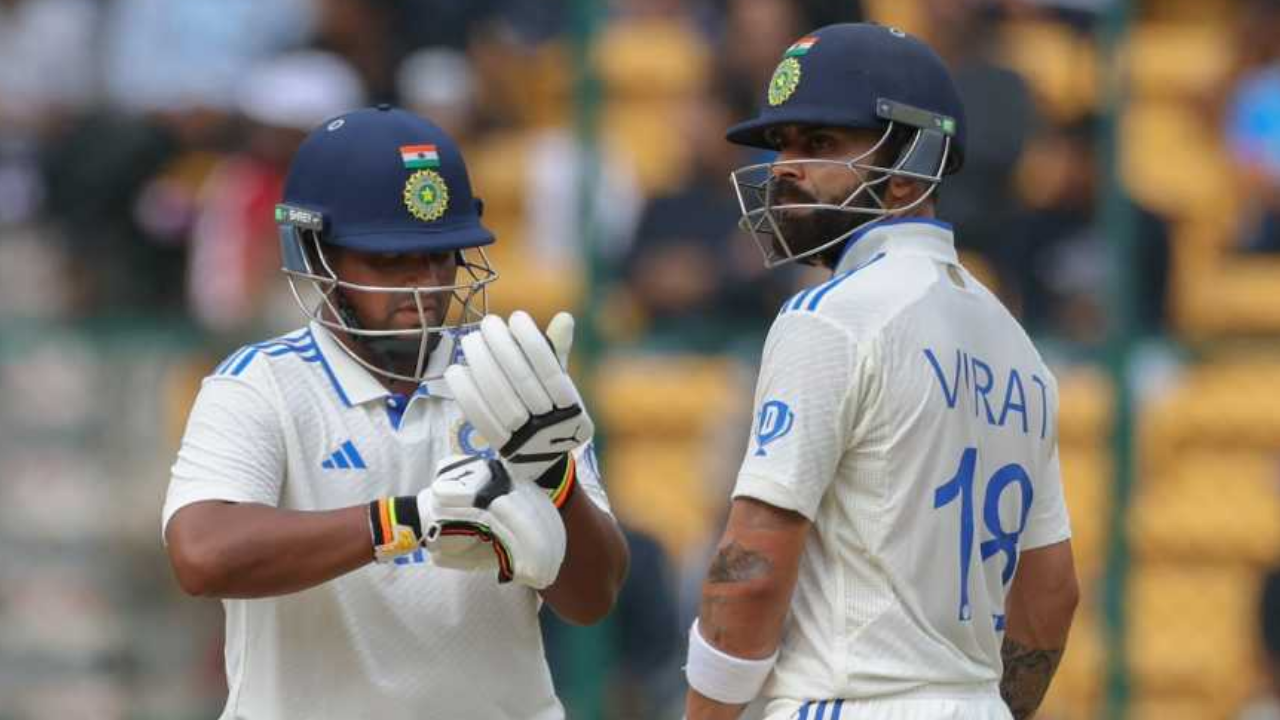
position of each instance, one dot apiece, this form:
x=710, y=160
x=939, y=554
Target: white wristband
x=721, y=676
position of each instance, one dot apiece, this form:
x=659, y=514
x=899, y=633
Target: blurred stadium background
x=1122, y=195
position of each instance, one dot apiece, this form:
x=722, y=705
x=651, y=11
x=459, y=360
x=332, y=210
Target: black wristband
x=395, y=526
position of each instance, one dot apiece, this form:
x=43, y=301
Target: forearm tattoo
x=1027, y=672
x=735, y=563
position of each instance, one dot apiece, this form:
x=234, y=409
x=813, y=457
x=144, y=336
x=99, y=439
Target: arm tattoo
x=1027, y=672
x=735, y=563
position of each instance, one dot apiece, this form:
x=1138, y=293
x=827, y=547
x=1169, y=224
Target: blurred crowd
x=143, y=144
x=142, y=141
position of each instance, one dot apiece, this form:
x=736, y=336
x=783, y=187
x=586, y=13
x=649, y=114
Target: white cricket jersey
x=296, y=423
x=903, y=411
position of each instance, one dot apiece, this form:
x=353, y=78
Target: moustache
x=787, y=192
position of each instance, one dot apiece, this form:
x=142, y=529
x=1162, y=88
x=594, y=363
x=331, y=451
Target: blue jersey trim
x=862, y=231
x=303, y=345
x=815, y=294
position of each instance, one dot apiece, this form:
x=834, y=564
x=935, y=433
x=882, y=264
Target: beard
x=811, y=228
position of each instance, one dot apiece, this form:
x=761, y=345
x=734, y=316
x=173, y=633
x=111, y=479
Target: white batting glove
x=516, y=392
x=476, y=518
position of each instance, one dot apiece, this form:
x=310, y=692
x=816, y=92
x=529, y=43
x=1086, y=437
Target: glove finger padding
x=543, y=358
x=560, y=335
x=515, y=365
x=501, y=397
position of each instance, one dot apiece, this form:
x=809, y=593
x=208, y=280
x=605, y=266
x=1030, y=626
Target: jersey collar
x=360, y=386
x=924, y=236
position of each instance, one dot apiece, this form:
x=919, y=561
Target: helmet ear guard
x=928, y=156
x=293, y=222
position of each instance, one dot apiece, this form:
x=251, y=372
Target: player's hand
x=474, y=518
x=516, y=392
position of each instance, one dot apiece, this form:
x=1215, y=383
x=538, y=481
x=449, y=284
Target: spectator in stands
x=1063, y=257
x=233, y=258
x=1253, y=127
x=697, y=284
x=440, y=83
x=981, y=201
x=167, y=56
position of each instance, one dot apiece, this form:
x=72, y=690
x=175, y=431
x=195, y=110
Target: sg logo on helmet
x=775, y=422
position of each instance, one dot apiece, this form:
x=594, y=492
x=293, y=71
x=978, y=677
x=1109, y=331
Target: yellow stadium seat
x=668, y=396
x=1076, y=691
x=1217, y=406
x=1084, y=407
x=659, y=486
x=1190, y=632
x=1086, y=483
x=1213, y=506
x=651, y=68
x=1059, y=65
x=1172, y=160
x=1183, y=60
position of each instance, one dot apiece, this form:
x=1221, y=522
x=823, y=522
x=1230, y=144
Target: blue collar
x=926, y=235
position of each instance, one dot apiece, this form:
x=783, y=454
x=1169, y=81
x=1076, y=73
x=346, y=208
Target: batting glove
x=476, y=518
x=516, y=392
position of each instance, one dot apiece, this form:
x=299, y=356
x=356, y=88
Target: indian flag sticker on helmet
x=419, y=157
x=801, y=46
x=784, y=82
x=426, y=196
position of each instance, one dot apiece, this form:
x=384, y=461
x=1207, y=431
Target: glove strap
x=560, y=480
x=395, y=526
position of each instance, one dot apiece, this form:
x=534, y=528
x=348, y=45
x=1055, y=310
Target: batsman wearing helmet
x=897, y=545
x=384, y=498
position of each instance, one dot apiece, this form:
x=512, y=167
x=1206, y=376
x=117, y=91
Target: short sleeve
x=233, y=449
x=802, y=413
x=1048, y=522
x=588, y=476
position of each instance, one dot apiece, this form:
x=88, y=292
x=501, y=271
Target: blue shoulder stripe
x=837, y=280
x=302, y=343
x=229, y=359
x=815, y=294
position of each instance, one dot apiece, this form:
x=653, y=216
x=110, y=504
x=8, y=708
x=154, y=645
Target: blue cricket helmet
x=386, y=180
x=862, y=75
x=851, y=75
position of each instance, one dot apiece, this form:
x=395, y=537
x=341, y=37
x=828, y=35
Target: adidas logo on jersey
x=344, y=458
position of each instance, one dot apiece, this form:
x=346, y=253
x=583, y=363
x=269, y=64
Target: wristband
x=395, y=526
x=560, y=480
x=724, y=677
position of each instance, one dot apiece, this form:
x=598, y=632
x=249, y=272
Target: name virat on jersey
x=982, y=381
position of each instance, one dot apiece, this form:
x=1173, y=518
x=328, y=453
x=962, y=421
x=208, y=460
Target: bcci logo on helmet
x=786, y=78
x=775, y=422
x=426, y=195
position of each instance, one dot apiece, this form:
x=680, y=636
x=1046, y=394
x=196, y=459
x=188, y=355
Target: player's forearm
x=595, y=564
x=747, y=593
x=1039, y=611
x=242, y=550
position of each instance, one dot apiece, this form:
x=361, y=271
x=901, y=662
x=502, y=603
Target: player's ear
x=903, y=191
